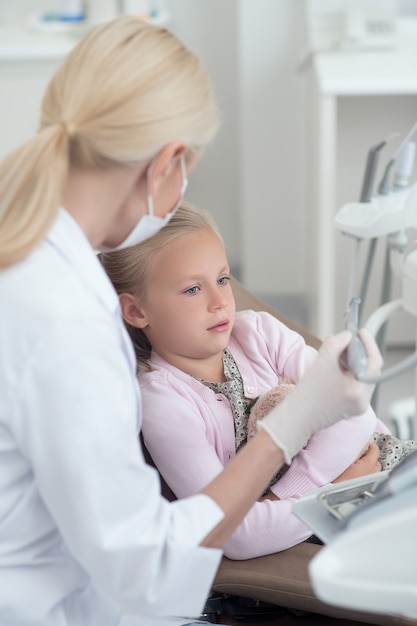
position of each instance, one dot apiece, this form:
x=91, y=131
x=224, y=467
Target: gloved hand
x=326, y=393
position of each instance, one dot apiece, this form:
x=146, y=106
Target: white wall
x=252, y=176
x=272, y=155
x=210, y=28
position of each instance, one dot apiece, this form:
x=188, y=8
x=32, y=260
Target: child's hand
x=366, y=463
x=268, y=496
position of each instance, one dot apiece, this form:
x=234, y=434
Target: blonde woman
x=83, y=528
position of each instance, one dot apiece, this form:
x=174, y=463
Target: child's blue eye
x=192, y=290
x=223, y=280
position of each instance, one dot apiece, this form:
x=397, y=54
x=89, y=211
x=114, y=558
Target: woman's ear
x=164, y=164
x=132, y=311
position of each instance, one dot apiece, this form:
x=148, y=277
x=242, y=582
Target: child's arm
x=366, y=463
x=306, y=410
x=331, y=451
x=190, y=446
x=327, y=456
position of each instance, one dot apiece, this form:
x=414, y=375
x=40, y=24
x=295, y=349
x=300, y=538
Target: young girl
x=201, y=367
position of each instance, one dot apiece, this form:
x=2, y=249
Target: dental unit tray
x=379, y=217
x=343, y=502
x=331, y=510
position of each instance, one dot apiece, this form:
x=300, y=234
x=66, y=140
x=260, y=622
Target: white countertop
x=27, y=42
x=20, y=43
x=354, y=73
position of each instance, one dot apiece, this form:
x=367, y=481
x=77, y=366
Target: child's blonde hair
x=124, y=92
x=130, y=269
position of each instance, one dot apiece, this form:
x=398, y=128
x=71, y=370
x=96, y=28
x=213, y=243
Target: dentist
x=85, y=537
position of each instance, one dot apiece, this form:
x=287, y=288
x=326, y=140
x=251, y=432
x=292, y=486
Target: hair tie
x=69, y=127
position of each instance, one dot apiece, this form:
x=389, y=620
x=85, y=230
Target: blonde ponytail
x=31, y=183
x=125, y=91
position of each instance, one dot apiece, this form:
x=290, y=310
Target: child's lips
x=220, y=327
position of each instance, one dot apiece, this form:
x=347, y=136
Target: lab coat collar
x=72, y=244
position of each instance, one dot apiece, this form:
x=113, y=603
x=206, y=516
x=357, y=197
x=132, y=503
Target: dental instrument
x=356, y=355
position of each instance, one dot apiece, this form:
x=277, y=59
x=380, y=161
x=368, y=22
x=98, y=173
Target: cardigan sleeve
x=189, y=450
x=330, y=451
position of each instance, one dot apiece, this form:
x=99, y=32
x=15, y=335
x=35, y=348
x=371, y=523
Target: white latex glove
x=326, y=393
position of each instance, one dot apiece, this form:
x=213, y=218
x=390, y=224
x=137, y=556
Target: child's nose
x=217, y=299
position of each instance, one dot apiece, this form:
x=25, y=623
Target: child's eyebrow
x=196, y=277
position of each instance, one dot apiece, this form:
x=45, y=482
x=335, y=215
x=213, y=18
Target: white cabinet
x=367, y=95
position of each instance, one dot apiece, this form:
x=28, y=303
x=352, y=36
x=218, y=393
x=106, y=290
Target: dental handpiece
x=356, y=354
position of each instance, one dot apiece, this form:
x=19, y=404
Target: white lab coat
x=83, y=529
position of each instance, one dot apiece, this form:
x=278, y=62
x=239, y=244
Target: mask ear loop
x=150, y=204
x=184, y=184
x=183, y=175
x=150, y=196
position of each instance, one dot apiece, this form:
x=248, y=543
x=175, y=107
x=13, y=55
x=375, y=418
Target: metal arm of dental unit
x=390, y=213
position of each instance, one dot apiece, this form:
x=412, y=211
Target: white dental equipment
x=389, y=214
x=369, y=527
x=369, y=523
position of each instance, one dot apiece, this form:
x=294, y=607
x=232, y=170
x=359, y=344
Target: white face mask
x=150, y=224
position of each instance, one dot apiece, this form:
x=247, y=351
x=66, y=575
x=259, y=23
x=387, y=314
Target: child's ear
x=132, y=312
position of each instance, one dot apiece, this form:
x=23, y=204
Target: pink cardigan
x=189, y=432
